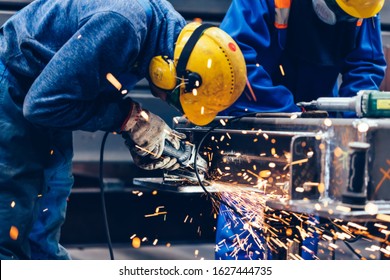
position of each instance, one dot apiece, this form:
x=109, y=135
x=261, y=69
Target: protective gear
x=323, y=12
x=206, y=76
x=145, y=134
x=361, y=8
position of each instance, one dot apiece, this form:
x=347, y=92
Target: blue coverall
x=54, y=58
x=298, y=63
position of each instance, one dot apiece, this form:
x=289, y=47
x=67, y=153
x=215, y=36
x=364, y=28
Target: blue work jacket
x=60, y=52
x=279, y=78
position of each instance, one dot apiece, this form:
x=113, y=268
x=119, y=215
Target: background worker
x=296, y=50
x=65, y=65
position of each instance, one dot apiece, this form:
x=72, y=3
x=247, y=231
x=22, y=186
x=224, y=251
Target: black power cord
x=347, y=242
x=102, y=196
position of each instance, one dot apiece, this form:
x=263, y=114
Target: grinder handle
x=183, y=154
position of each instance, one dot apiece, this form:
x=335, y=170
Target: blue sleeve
x=72, y=91
x=365, y=66
x=249, y=23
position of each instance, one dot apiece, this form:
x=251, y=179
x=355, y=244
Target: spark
x=113, y=81
x=281, y=70
x=321, y=189
x=157, y=212
x=383, y=217
x=294, y=116
x=137, y=193
x=380, y=226
x=373, y=248
x=363, y=127
x=357, y=226
x=145, y=150
x=328, y=122
x=385, y=251
x=254, y=174
x=251, y=90
x=371, y=208
x=136, y=242
x=14, y=233
x=265, y=173
x=338, y=152
x=144, y=115
x=329, y=238
x=296, y=162
x=222, y=122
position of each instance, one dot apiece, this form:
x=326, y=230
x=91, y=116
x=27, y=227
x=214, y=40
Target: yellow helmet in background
x=361, y=8
x=208, y=72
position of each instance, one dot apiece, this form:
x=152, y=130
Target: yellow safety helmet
x=361, y=8
x=206, y=76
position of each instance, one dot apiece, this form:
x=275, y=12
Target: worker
x=298, y=50
x=67, y=65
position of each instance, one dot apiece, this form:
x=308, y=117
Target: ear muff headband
x=193, y=79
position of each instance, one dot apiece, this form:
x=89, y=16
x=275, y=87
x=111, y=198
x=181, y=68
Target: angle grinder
x=187, y=157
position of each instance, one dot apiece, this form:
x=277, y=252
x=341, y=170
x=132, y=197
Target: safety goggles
x=329, y=12
x=173, y=99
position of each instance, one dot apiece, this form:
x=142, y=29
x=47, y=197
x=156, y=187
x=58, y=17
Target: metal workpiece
x=287, y=178
x=338, y=168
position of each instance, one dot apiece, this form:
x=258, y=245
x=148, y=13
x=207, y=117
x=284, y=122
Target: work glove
x=145, y=134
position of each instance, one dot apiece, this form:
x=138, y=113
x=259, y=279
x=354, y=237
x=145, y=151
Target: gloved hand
x=145, y=135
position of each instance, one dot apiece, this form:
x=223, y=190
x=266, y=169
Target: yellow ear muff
x=162, y=72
